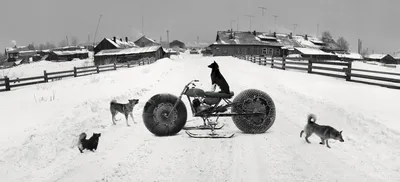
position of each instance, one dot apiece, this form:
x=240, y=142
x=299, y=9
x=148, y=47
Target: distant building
x=114, y=43
x=314, y=53
x=245, y=43
x=146, y=42
x=177, y=44
x=12, y=53
x=110, y=56
x=68, y=55
x=382, y=58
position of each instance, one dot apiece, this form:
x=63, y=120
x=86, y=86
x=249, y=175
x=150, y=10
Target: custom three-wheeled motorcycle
x=252, y=111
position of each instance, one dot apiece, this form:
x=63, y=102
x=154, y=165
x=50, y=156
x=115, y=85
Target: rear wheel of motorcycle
x=155, y=114
x=250, y=101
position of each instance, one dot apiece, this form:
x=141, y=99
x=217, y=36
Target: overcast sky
x=375, y=22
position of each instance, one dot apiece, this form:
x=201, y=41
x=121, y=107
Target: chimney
x=120, y=39
x=114, y=39
x=306, y=37
x=274, y=34
x=254, y=33
x=126, y=39
x=290, y=35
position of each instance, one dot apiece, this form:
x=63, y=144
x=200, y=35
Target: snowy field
x=41, y=122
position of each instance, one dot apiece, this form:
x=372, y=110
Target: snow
x=309, y=51
x=83, y=51
x=36, y=68
x=375, y=56
x=134, y=50
x=350, y=55
x=37, y=145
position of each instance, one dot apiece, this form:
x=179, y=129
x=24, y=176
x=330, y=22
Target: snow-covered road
x=37, y=135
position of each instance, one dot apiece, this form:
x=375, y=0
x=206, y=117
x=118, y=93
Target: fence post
x=309, y=69
x=75, y=72
x=272, y=62
x=46, y=78
x=7, y=83
x=115, y=66
x=348, y=71
x=97, y=69
x=283, y=63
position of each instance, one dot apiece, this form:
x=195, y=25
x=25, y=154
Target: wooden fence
x=336, y=69
x=6, y=83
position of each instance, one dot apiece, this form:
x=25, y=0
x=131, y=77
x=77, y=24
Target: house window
x=264, y=51
x=270, y=51
x=278, y=52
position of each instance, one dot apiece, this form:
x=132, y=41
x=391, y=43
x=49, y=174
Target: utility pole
x=237, y=23
x=294, y=29
x=317, y=29
x=67, y=40
x=231, y=23
x=98, y=23
x=198, y=42
x=142, y=26
x=168, y=38
x=250, y=16
x=275, y=16
x=262, y=13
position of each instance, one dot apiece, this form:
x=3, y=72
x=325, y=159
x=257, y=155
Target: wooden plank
x=60, y=72
x=26, y=79
x=376, y=84
x=86, y=74
x=277, y=67
x=328, y=74
x=280, y=64
x=328, y=69
x=3, y=90
x=62, y=76
x=330, y=63
x=2, y=85
x=296, y=68
x=296, y=63
x=375, y=78
x=24, y=84
x=85, y=71
x=2, y=79
x=85, y=67
x=380, y=72
x=107, y=70
x=107, y=66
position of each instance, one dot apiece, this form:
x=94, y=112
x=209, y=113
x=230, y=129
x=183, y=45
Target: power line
x=262, y=13
x=250, y=16
x=275, y=16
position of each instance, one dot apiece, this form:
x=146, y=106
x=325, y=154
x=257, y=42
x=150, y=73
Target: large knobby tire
x=156, y=110
x=253, y=100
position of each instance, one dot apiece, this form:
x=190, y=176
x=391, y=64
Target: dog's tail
x=311, y=118
x=82, y=136
x=113, y=101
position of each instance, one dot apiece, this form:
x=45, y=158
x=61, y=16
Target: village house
x=110, y=56
x=245, y=43
x=114, y=43
x=12, y=53
x=382, y=58
x=67, y=55
x=177, y=44
x=146, y=42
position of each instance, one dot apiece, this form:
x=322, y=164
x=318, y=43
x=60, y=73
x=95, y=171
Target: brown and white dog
x=125, y=109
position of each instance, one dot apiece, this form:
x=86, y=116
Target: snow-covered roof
x=64, y=53
x=375, y=56
x=309, y=51
x=351, y=55
x=134, y=50
x=306, y=43
x=121, y=44
x=17, y=49
x=245, y=38
x=294, y=56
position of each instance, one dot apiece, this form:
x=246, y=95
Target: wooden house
x=146, y=42
x=110, y=56
x=114, y=43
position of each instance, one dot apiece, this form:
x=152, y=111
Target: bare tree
x=343, y=44
x=31, y=46
x=62, y=43
x=326, y=35
x=50, y=45
x=74, y=41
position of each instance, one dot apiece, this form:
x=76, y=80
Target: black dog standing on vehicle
x=90, y=144
x=218, y=79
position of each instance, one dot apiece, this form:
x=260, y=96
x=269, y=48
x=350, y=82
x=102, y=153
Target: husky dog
x=218, y=79
x=324, y=132
x=125, y=109
x=90, y=144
